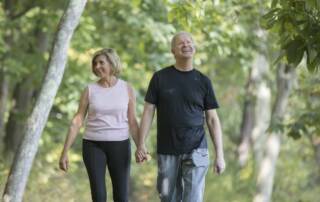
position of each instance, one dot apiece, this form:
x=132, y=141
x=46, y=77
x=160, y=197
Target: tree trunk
x=4, y=89
x=11, y=13
x=263, y=115
x=247, y=124
x=26, y=152
x=285, y=79
x=257, y=100
x=22, y=97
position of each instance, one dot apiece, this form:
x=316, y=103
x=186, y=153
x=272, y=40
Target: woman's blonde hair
x=112, y=58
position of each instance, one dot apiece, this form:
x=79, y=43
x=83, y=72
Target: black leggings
x=117, y=156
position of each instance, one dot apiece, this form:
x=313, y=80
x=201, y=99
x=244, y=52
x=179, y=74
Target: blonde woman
x=109, y=105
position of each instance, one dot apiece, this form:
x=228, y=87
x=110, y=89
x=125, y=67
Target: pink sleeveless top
x=107, y=118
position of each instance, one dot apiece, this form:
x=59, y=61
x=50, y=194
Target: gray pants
x=182, y=177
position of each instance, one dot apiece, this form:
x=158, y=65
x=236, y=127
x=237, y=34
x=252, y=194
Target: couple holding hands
x=184, y=99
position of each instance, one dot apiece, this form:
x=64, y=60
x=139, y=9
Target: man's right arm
x=145, y=125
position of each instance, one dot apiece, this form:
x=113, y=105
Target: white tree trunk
x=263, y=115
x=257, y=108
x=26, y=152
x=285, y=79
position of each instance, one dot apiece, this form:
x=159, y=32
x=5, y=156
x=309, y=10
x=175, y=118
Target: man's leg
x=169, y=178
x=194, y=170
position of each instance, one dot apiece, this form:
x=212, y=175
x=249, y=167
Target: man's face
x=183, y=47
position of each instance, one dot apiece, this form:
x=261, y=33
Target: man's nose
x=186, y=44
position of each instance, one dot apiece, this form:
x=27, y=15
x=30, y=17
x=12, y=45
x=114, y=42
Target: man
x=181, y=95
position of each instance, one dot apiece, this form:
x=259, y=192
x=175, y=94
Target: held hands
x=142, y=154
x=219, y=165
x=64, y=162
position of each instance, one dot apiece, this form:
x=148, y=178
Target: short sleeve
x=152, y=92
x=210, y=101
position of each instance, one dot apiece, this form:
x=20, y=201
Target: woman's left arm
x=133, y=123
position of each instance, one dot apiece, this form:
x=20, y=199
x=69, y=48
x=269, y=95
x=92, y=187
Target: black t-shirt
x=181, y=99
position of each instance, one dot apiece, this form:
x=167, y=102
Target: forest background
x=262, y=57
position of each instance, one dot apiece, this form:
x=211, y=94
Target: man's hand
x=141, y=154
x=64, y=162
x=219, y=165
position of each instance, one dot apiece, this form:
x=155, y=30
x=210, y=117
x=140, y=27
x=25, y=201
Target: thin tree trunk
x=257, y=99
x=23, y=98
x=266, y=173
x=11, y=13
x=4, y=89
x=26, y=152
x=248, y=120
x=263, y=115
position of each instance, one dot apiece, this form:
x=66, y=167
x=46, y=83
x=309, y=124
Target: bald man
x=184, y=99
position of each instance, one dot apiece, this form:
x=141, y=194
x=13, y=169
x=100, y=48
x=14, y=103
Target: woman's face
x=101, y=66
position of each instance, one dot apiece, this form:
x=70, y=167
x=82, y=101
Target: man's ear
x=172, y=51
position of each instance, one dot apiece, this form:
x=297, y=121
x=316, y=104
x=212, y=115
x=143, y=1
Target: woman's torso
x=107, y=118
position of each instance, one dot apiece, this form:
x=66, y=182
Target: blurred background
x=262, y=57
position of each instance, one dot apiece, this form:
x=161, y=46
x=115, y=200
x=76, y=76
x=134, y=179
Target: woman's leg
x=119, y=158
x=95, y=161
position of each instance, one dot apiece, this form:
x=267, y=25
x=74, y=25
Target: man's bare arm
x=145, y=125
x=215, y=131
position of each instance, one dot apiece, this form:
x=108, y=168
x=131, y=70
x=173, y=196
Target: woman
x=110, y=104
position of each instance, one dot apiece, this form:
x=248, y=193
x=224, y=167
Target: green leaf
x=314, y=65
x=269, y=19
x=274, y=3
x=294, y=51
x=294, y=134
x=313, y=58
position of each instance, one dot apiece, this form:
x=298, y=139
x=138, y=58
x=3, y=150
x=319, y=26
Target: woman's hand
x=141, y=154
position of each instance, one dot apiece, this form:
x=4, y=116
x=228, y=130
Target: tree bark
x=4, y=90
x=26, y=152
x=22, y=97
x=11, y=14
x=247, y=124
x=285, y=80
x=257, y=100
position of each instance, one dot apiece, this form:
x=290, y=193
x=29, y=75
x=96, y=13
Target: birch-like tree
x=26, y=152
x=266, y=173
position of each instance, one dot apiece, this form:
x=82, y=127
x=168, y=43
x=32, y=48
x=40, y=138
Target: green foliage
x=304, y=111
x=306, y=117
x=298, y=25
x=21, y=55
